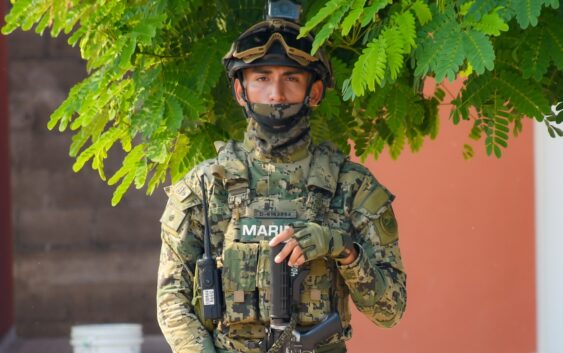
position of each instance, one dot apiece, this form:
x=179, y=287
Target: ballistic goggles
x=256, y=42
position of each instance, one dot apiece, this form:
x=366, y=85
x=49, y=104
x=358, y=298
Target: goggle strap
x=248, y=108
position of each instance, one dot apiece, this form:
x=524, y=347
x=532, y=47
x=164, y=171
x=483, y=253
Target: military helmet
x=275, y=42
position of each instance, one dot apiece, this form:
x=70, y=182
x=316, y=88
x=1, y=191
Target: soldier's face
x=277, y=84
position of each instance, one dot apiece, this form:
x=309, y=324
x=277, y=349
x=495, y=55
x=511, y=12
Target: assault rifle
x=282, y=336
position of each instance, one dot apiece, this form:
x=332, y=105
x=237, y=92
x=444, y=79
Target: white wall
x=549, y=240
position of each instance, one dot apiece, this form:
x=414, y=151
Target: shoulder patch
x=376, y=199
x=172, y=218
x=180, y=190
x=387, y=227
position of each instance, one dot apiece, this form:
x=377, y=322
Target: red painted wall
x=6, y=288
x=467, y=240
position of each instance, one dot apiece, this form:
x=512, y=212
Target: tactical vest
x=262, y=202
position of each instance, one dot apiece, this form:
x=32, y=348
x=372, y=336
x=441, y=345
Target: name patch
x=269, y=231
x=275, y=214
x=251, y=230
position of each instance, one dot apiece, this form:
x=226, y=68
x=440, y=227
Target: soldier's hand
x=291, y=248
x=306, y=241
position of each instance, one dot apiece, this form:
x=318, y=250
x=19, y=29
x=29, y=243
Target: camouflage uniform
x=357, y=205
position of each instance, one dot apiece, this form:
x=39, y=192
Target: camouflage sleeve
x=181, y=247
x=376, y=279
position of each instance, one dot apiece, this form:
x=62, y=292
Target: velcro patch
x=181, y=191
x=377, y=199
x=172, y=218
x=238, y=296
x=315, y=294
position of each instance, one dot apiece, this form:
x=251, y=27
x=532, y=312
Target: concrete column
x=6, y=282
x=549, y=240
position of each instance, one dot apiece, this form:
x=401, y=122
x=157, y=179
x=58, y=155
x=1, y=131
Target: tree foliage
x=156, y=85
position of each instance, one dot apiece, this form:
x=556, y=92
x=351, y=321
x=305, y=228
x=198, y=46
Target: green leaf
x=558, y=131
x=407, y=29
x=176, y=158
x=149, y=118
x=535, y=60
x=498, y=151
x=330, y=7
x=122, y=188
x=451, y=57
x=398, y=144
x=370, y=67
x=102, y=145
x=426, y=55
x=127, y=53
x=129, y=165
x=479, y=51
x=330, y=107
x=328, y=28
x=396, y=110
x=476, y=92
x=492, y=24
x=93, y=131
x=464, y=9
x=356, y=11
x=468, y=152
x=146, y=29
x=157, y=150
x=422, y=11
x=157, y=178
x=527, y=12
x=394, y=51
x=481, y=8
x=192, y=104
x=340, y=70
x=554, y=33
x=370, y=11
x=431, y=43
x=24, y=14
x=141, y=173
x=553, y=3
x=174, y=114
x=203, y=67
x=524, y=95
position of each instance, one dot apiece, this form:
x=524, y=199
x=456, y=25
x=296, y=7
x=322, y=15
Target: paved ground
x=151, y=344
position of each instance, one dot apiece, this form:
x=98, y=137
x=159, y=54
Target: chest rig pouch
x=257, y=218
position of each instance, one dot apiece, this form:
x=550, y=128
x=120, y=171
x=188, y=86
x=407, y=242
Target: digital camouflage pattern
x=278, y=111
x=314, y=183
x=276, y=146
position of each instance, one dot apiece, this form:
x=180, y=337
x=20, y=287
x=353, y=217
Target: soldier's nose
x=277, y=94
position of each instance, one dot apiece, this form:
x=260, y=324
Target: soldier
x=277, y=187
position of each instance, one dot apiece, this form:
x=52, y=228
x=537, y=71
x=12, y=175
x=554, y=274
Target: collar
x=293, y=153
